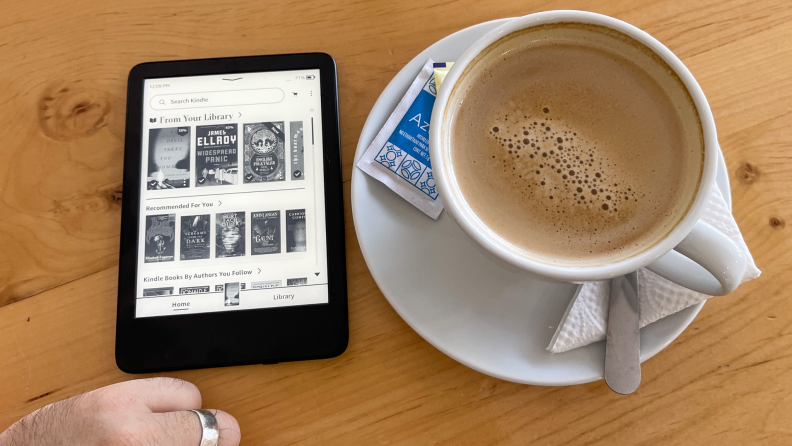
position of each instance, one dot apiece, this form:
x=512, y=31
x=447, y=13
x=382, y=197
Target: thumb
x=183, y=428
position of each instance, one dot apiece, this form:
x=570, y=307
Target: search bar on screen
x=228, y=98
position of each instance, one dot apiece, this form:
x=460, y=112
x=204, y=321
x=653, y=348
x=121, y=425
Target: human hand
x=143, y=412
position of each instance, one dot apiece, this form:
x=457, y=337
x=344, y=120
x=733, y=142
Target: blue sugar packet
x=399, y=155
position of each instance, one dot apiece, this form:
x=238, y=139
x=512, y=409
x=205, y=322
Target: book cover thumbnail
x=157, y=292
x=194, y=289
x=169, y=158
x=231, y=294
x=297, y=150
x=264, y=152
x=295, y=231
x=230, y=235
x=160, y=236
x=216, y=155
x=265, y=232
x=266, y=284
x=194, y=237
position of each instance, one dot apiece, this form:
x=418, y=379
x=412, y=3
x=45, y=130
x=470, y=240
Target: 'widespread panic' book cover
x=264, y=152
x=216, y=155
x=160, y=236
x=168, y=158
x=230, y=238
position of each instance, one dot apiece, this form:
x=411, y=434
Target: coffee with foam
x=574, y=144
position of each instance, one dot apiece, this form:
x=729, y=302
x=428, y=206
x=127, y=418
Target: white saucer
x=491, y=319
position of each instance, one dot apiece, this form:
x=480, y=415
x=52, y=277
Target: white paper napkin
x=585, y=319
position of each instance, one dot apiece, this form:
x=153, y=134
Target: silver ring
x=210, y=434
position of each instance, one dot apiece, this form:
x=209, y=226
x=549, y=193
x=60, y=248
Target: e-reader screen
x=232, y=213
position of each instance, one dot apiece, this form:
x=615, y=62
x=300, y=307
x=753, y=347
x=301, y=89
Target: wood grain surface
x=726, y=380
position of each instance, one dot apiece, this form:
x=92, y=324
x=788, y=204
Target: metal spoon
x=623, y=345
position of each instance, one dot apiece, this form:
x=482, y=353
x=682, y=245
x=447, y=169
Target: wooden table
x=727, y=379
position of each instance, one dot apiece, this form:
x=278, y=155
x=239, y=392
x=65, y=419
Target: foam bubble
x=562, y=179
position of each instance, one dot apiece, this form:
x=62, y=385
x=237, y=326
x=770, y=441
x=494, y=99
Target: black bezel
x=236, y=337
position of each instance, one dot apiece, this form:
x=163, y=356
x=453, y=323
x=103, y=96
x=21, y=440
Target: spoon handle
x=623, y=345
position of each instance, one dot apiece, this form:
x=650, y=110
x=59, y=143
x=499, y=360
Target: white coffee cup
x=694, y=254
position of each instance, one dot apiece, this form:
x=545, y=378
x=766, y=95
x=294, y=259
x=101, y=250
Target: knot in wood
x=68, y=111
x=748, y=173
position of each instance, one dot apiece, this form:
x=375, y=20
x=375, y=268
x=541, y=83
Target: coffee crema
x=574, y=143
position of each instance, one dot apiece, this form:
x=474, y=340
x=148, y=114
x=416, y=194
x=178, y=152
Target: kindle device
x=232, y=231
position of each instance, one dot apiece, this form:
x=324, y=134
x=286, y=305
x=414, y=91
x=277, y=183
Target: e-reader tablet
x=232, y=233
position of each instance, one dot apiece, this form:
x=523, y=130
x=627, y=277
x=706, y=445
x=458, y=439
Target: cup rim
x=453, y=199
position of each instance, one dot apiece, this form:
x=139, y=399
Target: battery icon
x=310, y=77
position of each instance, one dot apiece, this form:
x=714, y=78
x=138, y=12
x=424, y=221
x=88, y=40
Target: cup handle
x=706, y=261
